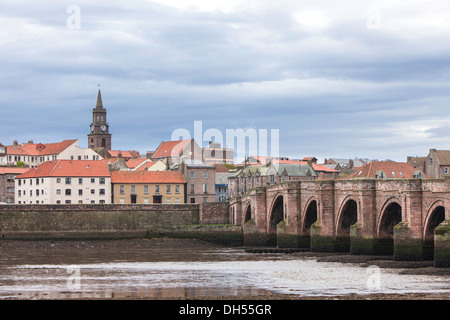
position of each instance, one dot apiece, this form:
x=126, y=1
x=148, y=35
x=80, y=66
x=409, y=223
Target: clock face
x=103, y=127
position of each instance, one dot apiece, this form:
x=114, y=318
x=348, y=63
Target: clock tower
x=99, y=136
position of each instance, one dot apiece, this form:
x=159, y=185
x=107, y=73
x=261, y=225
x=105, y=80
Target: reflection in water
x=138, y=273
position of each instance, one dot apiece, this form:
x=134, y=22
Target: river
x=170, y=269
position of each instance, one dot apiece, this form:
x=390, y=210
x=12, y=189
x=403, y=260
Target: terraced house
x=65, y=182
x=146, y=187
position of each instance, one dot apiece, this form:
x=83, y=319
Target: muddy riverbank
x=93, y=246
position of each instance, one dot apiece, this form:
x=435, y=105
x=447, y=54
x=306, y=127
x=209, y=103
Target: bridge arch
x=248, y=213
x=435, y=215
x=347, y=216
x=390, y=216
x=310, y=214
x=276, y=213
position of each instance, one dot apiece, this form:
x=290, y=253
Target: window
x=92, y=191
x=11, y=179
x=205, y=174
x=79, y=157
x=80, y=201
x=102, y=180
x=177, y=200
x=157, y=189
x=205, y=188
x=272, y=178
x=192, y=174
x=92, y=180
x=10, y=190
x=80, y=192
x=58, y=180
x=92, y=201
x=80, y=180
x=58, y=191
x=177, y=188
x=133, y=189
x=37, y=192
x=145, y=200
x=19, y=193
x=68, y=180
x=122, y=189
x=68, y=192
x=192, y=200
x=146, y=189
x=445, y=170
x=68, y=201
x=192, y=188
x=168, y=188
x=102, y=201
x=58, y=201
x=168, y=200
x=122, y=200
x=431, y=160
x=102, y=192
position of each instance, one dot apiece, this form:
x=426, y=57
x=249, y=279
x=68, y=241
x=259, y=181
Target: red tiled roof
x=169, y=148
x=147, y=177
x=13, y=170
x=133, y=163
x=68, y=168
x=146, y=165
x=125, y=154
x=390, y=168
x=39, y=149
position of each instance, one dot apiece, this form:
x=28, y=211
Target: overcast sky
x=340, y=79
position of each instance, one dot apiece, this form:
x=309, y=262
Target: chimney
x=15, y=143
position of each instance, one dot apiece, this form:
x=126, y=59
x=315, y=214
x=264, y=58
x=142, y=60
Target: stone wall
x=93, y=221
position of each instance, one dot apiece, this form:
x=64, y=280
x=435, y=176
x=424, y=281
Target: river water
x=190, y=273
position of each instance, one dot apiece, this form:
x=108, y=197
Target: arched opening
x=310, y=218
x=311, y=215
x=103, y=143
x=248, y=214
x=391, y=216
x=277, y=214
x=436, y=217
x=348, y=217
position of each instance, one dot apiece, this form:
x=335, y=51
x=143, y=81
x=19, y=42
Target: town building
x=7, y=183
x=386, y=170
x=200, y=181
x=99, y=136
x=32, y=154
x=214, y=153
x=175, y=152
x=437, y=163
x=222, y=186
x=146, y=187
x=65, y=182
x=2, y=155
x=417, y=162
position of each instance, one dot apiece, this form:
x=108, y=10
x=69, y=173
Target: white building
x=34, y=154
x=65, y=182
x=2, y=155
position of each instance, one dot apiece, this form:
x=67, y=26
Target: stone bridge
x=405, y=218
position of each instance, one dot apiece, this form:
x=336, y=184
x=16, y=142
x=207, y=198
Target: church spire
x=99, y=104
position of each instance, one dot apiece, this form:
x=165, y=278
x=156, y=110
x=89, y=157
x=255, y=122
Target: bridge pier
x=320, y=242
x=359, y=242
x=442, y=245
x=407, y=245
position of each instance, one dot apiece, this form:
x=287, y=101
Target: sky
x=335, y=79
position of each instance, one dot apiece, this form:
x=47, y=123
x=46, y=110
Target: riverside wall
x=112, y=221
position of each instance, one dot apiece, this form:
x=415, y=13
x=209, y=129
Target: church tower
x=99, y=136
